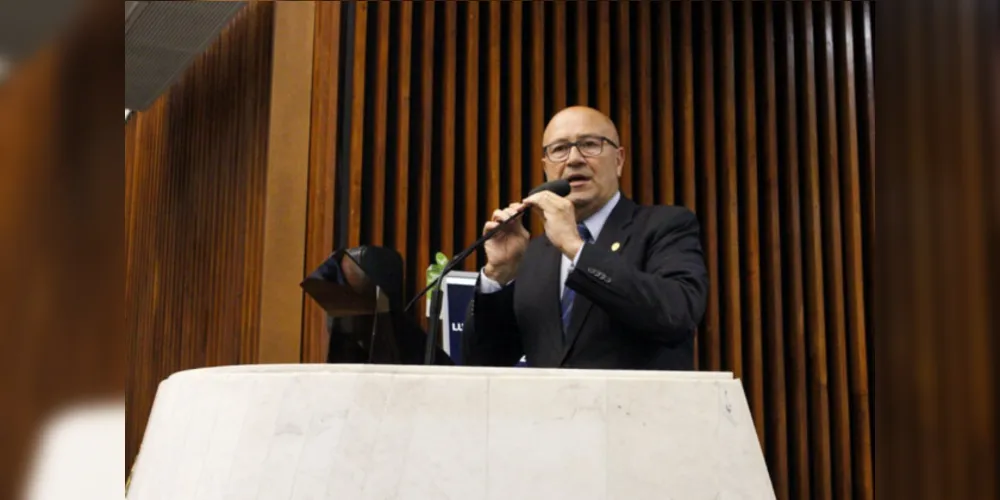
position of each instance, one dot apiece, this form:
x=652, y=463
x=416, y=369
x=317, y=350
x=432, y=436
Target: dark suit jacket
x=635, y=308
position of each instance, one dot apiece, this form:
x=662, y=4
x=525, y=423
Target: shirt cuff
x=487, y=285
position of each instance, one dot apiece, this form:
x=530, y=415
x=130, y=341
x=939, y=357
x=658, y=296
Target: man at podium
x=610, y=285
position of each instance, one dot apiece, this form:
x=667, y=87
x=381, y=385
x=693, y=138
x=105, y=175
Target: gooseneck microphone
x=560, y=187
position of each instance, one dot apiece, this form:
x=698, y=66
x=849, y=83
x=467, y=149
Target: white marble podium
x=385, y=432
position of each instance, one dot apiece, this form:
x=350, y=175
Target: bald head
x=581, y=120
x=582, y=146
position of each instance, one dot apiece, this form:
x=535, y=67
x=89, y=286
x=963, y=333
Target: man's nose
x=575, y=157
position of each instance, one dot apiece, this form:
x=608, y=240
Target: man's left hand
x=560, y=221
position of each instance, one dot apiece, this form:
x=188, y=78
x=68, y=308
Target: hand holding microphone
x=507, y=238
x=507, y=245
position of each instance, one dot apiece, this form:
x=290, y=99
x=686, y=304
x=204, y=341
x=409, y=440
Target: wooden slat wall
x=324, y=133
x=197, y=165
x=939, y=235
x=758, y=115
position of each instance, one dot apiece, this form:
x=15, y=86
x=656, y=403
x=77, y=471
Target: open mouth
x=578, y=180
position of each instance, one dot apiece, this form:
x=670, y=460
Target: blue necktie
x=568, y=293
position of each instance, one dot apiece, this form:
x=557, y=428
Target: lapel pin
x=616, y=246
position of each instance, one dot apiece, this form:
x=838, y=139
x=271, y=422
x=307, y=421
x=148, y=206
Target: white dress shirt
x=594, y=223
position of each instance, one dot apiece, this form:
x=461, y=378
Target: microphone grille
x=560, y=187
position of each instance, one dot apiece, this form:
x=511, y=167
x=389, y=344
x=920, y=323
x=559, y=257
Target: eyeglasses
x=587, y=146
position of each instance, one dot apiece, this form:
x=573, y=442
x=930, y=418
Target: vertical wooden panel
x=665, y=94
x=427, y=113
x=471, y=163
x=800, y=484
x=357, y=121
x=494, y=110
x=287, y=185
x=379, y=138
x=558, y=56
x=449, y=97
x=773, y=331
x=131, y=200
x=814, y=284
x=403, y=106
x=689, y=196
x=603, y=57
x=712, y=347
x=515, y=134
x=729, y=203
x=623, y=97
x=866, y=66
x=645, y=141
x=952, y=466
x=924, y=356
x=854, y=260
x=199, y=190
x=978, y=151
x=537, y=105
x=322, y=168
x=902, y=360
x=750, y=241
x=689, y=182
x=834, y=267
x=583, y=34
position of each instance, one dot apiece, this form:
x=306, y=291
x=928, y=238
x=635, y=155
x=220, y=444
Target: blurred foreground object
x=938, y=243
x=26, y=26
x=162, y=39
x=317, y=432
x=62, y=341
x=80, y=455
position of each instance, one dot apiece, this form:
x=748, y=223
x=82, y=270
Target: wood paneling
x=197, y=173
x=773, y=307
x=758, y=115
x=794, y=299
x=426, y=116
x=324, y=139
x=288, y=170
x=470, y=128
x=854, y=282
x=705, y=202
x=938, y=237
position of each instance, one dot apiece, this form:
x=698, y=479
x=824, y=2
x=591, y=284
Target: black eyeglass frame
x=576, y=144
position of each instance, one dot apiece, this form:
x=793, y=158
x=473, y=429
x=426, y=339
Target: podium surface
x=414, y=432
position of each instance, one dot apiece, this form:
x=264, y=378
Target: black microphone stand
x=437, y=296
x=561, y=187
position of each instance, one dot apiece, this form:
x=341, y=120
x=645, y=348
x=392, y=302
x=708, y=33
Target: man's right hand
x=505, y=249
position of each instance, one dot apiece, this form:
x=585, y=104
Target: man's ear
x=621, y=161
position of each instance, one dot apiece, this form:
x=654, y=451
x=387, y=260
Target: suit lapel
x=615, y=230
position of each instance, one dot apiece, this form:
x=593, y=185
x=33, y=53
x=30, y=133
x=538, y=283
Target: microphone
x=560, y=187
